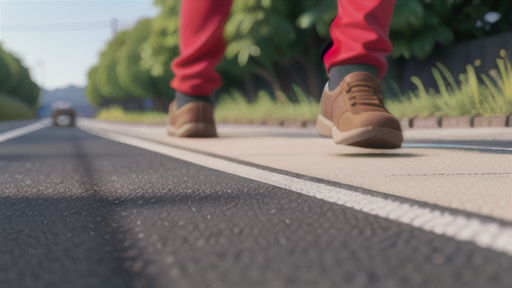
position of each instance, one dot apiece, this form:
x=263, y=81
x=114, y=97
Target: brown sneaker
x=192, y=120
x=354, y=114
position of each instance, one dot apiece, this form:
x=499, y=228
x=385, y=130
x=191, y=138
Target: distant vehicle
x=63, y=113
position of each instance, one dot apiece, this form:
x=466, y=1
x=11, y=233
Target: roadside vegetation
x=476, y=95
x=116, y=113
x=13, y=109
x=234, y=107
x=19, y=95
x=487, y=95
x=271, y=44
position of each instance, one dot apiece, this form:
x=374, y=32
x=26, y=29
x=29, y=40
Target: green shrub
x=12, y=109
x=235, y=108
x=117, y=113
x=492, y=96
x=471, y=97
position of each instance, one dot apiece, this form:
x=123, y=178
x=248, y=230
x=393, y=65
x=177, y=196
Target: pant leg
x=360, y=34
x=201, y=46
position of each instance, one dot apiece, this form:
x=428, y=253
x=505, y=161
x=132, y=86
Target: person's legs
x=352, y=109
x=360, y=35
x=201, y=49
x=201, y=46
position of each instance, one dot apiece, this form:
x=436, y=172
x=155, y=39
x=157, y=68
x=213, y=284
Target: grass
x=235, y=108
x=11, y=109
x=116, y=113
x=231, y=108
x=491, y=95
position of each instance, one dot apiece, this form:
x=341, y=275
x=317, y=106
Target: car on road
x=63, y=113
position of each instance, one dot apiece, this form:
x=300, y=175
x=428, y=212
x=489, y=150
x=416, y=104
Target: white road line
x=24, y=130
x=452, y=146
x=484, y=233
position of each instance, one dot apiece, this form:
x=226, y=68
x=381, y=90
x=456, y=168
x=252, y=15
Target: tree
x=159, y=50
x=132, y=79
x=16, y=81
x=261, y=38
x=106, y=79
x=9, y=71
x=279, y=43
x=92, y=93
x=417, y=26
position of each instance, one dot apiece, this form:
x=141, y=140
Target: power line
x=61, y=26
x=49, y=27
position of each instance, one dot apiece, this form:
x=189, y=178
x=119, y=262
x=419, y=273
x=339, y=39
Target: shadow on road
x=380, y=155
x=60, y=242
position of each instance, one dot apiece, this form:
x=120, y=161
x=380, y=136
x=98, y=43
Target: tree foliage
x=251, y=33
x=277, y=42
x=92, y=92
x=107, y=79
x=318, y=15
x=254, y=45
x=132, y=79
x=16, y=81
x=135, y=64
x=418, y=25
x=159, y=49
x=162, y=45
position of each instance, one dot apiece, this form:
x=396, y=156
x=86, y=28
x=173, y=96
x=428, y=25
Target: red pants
x=359, y=34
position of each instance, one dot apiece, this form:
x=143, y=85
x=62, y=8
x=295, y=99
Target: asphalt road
x=77, y=210
x=10, y=125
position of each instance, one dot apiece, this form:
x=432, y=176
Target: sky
x=59, y=41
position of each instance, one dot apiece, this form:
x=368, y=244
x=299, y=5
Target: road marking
x=24, y=130
x=454, y=146
x=484, y=233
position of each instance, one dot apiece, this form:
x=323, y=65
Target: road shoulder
x=470, y=181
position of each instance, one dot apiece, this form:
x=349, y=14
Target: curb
x=405, y=123
x=456, y=122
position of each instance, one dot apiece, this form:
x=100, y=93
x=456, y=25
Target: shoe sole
x=324, y=126
x=365, y=137
x=199, y=130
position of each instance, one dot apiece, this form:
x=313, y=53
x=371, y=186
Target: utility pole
x=113, y=26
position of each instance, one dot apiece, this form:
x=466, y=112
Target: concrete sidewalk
x=468, y=180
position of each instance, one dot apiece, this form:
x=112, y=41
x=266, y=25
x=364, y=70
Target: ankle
x=184, y=99
x=338, y=73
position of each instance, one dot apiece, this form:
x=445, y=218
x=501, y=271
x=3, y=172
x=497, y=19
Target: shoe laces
x=364, y=93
